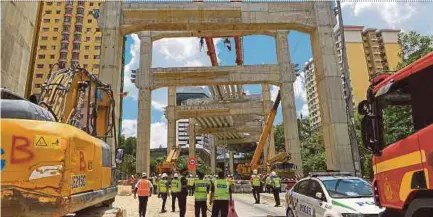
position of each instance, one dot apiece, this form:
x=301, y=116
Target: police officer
x=183, y=195
x=201, y=188
x=163, y=190
x=268, y=184
x=221, y=194
x=155, y=182
x=256, y=183
x=190, y=185
x=144, y=190
x=175, y=190
x=276, y=186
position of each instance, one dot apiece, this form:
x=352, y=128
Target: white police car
x=331, y=194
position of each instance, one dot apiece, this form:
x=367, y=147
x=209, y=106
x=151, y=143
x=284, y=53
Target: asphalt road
x=245, y=207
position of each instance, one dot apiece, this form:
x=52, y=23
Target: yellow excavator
x=278, y=163
x=169, y=165
x=55, y=156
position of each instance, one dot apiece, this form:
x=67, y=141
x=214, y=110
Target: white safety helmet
x=190, y=175
x=176, y=175
x=255, y=172
x=273, y=173
x=164, y=175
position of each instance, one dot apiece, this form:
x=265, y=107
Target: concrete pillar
x=231, y=162
x=269, y=150
x=212, y=153
x=171, y=119
x=144, y=104
x=291, y=136
x=330, y=90
x=111, y=55
x=192, y=141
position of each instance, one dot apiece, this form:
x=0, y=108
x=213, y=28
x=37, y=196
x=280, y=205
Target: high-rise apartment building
x=68, y=35
x=369, y=52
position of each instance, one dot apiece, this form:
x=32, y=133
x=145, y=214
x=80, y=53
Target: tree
x=413, y=46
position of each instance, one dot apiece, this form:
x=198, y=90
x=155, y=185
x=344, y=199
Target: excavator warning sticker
x=47, y=142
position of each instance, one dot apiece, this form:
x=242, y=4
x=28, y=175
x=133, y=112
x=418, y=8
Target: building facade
x=369, y=52
x=18, y=35
x=68, y=35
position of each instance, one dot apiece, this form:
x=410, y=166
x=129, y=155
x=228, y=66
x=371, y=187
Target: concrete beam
x=211, y=33
x=238, y=129
x=250, y=139
x=177, y=16
x=197, y=76
x=223, y=109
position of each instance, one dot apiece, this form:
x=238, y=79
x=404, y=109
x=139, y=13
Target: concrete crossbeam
x=225, y=109
x=222, y=16
x=251, y=139
x=239, y=129
x=210, y=33
x=196, y=76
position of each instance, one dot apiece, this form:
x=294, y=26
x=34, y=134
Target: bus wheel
x=421, y=207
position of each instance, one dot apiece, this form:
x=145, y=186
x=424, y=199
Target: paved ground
x=243, y=203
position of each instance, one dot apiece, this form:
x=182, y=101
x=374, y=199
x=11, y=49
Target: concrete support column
x=330, y=90
x=291, y=135
x=171, y=118
x=144, y=104
x=231, y=162
x=269, y=150
x=212, y=153
x=111, y=55
x=192, y=141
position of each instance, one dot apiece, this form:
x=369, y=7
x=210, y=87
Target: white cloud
x=132, y=65
x=299, y=88
x=274, y=92
x=158, y=106
x=304, y=111
x=158, y=132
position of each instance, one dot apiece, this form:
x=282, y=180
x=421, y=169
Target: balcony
x=64, y=50
x=69, y=5
x=65, y=41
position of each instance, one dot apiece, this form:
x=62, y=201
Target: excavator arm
x=265, y=134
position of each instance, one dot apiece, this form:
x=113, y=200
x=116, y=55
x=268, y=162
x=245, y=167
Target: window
x=39, y=75
x=97, y=47
x=85, y=66
x=81, y=3
x=66, y=28
x=78, y=28
x=316, y=188
x=56, y=29
x=87, y=47
x=45, y=29
x=91, y=3
x=52, y=56
x=54, y=38
x=96, y=66
x=40, y=66
x=58, y=12
x=43, y=47
x=89, y=21
x=68, y=11
x=86, y=56
x=46, y=20
x=99, y=4
x=41, y=56
x=44, y=38
x=96, y=57
x=88, y=29
x=63, y=55
x=79, y=20
x=75, y=56
x=59, y=3
x=57, y=20
x=48, y=12
x=347, y=188
x=38, y=85
x=77, y=37
x=49, y=3
x=65, y=37
x=98, y=38
x=80, y=11
x=76, y=46
x=98, y=30
x=64, y=46
x=87, y=38
x=301, y=187
x=53, y=47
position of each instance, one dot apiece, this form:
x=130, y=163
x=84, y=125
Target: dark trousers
x=182, y=203
x=277, y=196
x=200, y=205
x=190, y=190
x=164, y=200
x=142, y=205
x=256, y=193
x=173, y=201
x=220, y=206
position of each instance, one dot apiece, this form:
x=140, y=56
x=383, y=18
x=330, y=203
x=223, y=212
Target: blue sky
x=257, y=50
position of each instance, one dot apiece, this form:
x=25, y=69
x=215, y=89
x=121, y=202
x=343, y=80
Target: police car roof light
x=333, y=173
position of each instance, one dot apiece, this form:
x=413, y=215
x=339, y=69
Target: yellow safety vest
x=201, y=190
x=162, y=186
x=256, y=180
x=191, y=181
x=268, y=180
x=277, y=182
x=221, y=190
x=175, y=185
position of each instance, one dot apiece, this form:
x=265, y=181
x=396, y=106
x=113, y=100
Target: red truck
x=403, y=169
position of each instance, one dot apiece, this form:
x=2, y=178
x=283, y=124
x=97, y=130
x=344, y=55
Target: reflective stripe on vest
x=143, y=188
x=162, y=186
x=200, y=191
x=221, y=188
x=256, y=181
x=175, y=185
x=268, y=180
x=277, y=182
x=191, y=181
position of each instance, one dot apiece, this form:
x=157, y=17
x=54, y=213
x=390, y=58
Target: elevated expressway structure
x=154, y=21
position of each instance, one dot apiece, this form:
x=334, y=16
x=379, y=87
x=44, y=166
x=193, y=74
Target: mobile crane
x=403, y=170
x=55, y=159
x=169, y=165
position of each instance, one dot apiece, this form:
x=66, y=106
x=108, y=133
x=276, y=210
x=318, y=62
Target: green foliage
x=397, y=123
x=129, y=145
x=413, y=46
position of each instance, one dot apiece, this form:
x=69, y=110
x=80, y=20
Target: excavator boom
x=265, y=134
